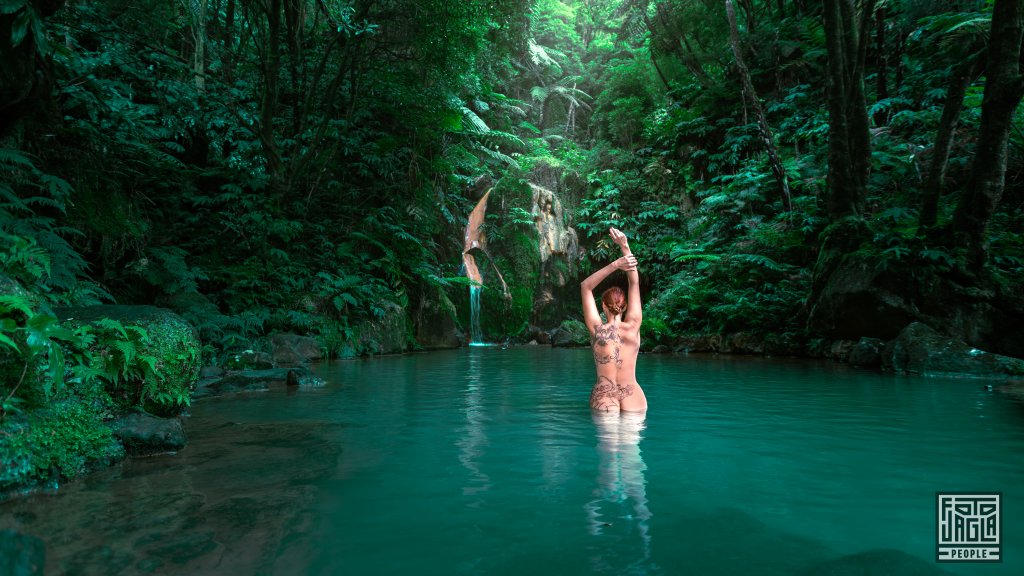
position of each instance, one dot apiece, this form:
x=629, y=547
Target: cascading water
x=476, y=335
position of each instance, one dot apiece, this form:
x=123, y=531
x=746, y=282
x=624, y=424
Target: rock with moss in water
x=256, y=381
x=65, y=440
x=143, y=433
x=387, y=333
x=158, y=339
x=921, y=350
x=571, y=333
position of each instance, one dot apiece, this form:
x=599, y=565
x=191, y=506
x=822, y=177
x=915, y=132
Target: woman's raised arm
x=591, y=317
x=634, y=311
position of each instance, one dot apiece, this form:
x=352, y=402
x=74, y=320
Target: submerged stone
x=289, y=349
x=255, y=381
x=21, y=554
x=143, y=433
x=889, y=562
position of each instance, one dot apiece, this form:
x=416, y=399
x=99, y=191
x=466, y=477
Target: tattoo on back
x=604, y=394
x=607, y=394
x=606, y=343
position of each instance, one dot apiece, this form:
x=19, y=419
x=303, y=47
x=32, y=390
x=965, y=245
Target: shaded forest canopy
x=800, y=170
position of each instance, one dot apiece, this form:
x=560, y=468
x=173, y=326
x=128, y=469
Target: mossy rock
x=65, y=440
x=571, y=333
x=170, y=339
x=387, y=334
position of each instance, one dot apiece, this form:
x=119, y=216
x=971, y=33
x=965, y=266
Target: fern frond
x=540, y=56
x=475, y=121
x=15, y=158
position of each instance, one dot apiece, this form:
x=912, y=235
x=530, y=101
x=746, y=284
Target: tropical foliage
x=291, y=165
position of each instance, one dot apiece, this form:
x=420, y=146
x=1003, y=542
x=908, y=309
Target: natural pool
x=488, y=461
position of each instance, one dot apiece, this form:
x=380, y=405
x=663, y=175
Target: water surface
x=488, y=461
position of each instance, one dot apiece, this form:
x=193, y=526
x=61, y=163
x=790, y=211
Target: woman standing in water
x=615, y=342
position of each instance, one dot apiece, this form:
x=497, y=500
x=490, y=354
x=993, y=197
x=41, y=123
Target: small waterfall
x=476, y=335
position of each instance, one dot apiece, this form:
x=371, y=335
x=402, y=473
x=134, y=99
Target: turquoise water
x=487, y=461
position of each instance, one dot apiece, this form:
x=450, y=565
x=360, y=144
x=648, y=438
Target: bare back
x=616, y=345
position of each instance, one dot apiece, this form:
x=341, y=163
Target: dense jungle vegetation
x=308, y=166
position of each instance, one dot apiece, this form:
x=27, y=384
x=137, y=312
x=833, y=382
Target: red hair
x=614, y=299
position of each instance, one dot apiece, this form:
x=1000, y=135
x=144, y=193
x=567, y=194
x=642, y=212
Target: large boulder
x=386, y=334
x=435, y=325
x=21, y=554
x=859, y=291
x=860, y=298
x=288, y=349
x=867, y=352
x=143, y=433
x=169, y=338
x=919, y=349
x=571, y=333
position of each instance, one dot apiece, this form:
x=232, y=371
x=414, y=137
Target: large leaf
x=20, y=26
x=12, y=6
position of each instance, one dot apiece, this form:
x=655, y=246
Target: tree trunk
x=229, y=42
x=762, y=120
x=1003, y=90
x=199, y=36
x=961, y=78
x=748, y=11
x=882, y=76
x=849, y=151
x=661, y=74
x=268, y=101
x=692, y=63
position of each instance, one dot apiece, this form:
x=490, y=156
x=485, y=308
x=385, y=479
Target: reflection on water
x=620, y=499
x=473, y=438
x=483, y=461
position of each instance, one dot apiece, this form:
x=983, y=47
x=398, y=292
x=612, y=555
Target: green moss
x=388, y=334
x=577, y=332
x=64, y=440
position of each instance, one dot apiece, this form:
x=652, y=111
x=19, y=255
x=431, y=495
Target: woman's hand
x=619, y=238
x=626, y=263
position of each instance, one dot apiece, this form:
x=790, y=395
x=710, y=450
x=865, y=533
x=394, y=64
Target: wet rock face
x=921, y=350
x=435, y=326
x=557, y=242
x=21, y=554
